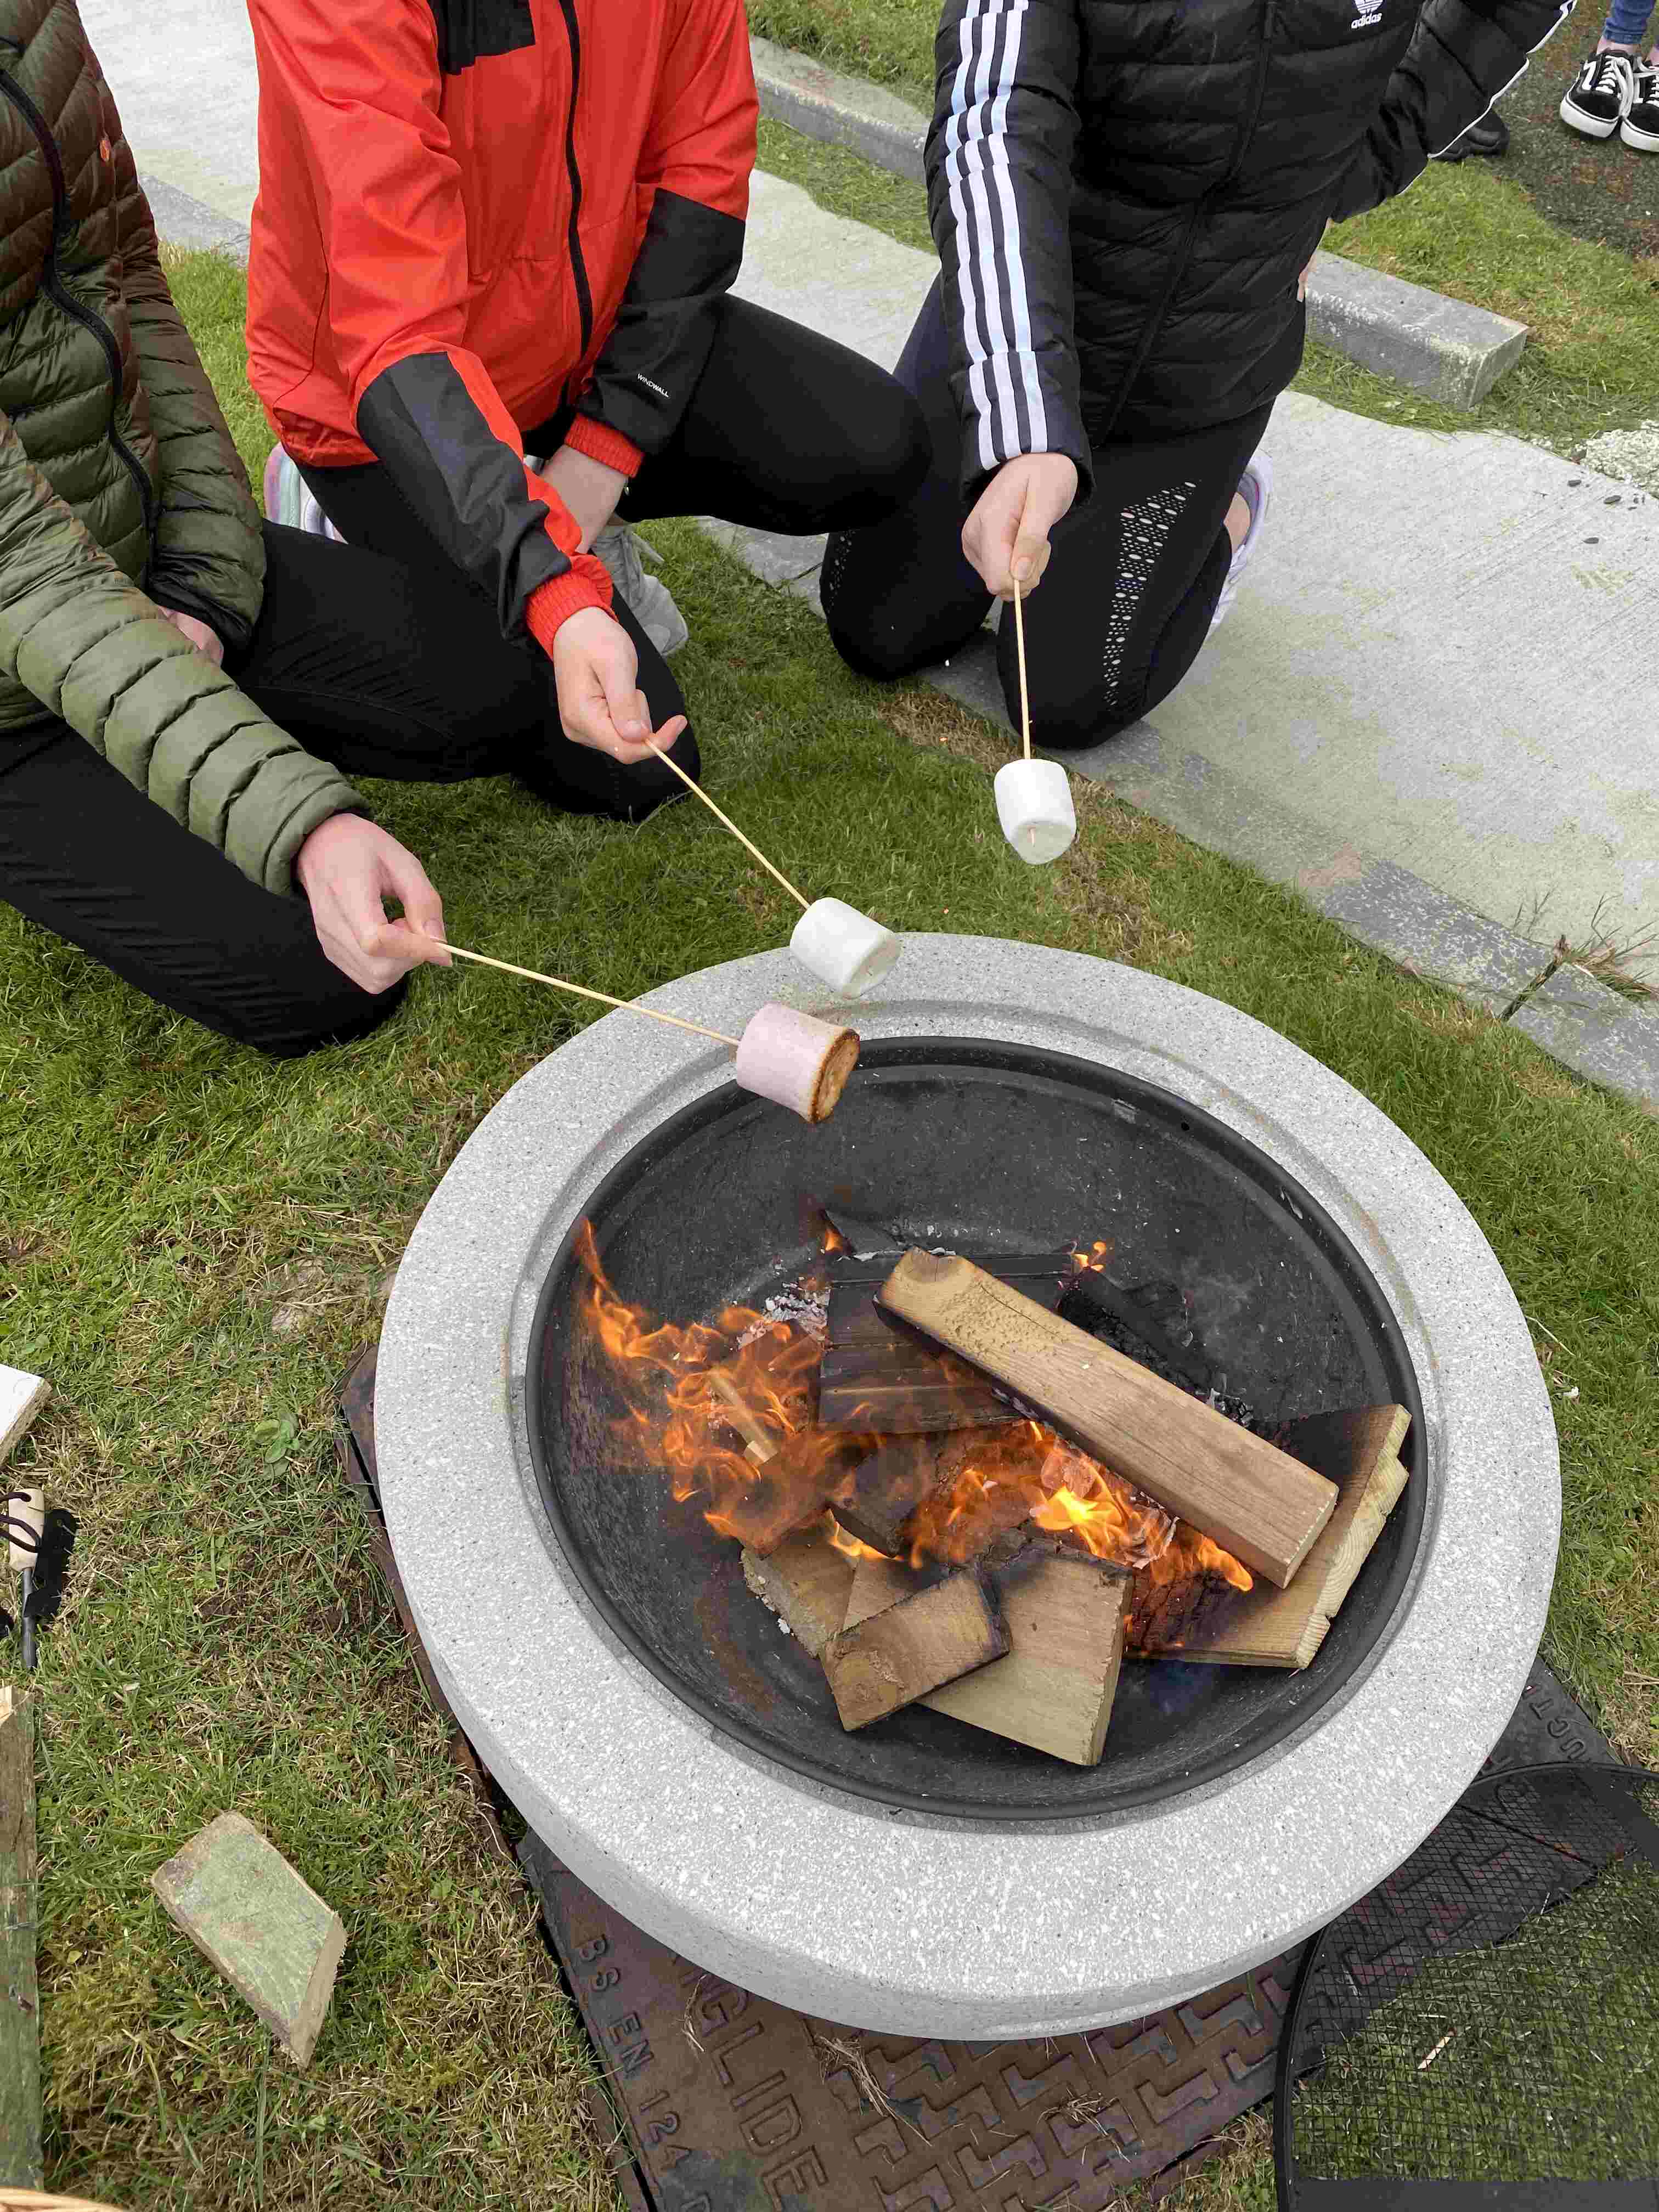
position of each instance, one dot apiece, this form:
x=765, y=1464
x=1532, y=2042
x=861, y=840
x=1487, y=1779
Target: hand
x=589, y=489
x=1006, y=535
x=1302, y=280
x=205, y=640
x=348, y=868
x=600, y=704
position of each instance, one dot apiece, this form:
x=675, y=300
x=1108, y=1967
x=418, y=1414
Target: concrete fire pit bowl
x=910, y=1923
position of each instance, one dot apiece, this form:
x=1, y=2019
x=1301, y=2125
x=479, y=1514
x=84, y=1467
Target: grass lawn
x=1470, y=230
x=191, y=1244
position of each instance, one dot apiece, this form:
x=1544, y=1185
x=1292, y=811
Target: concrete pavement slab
x=185, y=83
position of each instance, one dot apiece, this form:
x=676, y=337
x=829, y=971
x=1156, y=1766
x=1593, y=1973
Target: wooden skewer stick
x=582, y=991
x=1024, y=696
x=691, y=784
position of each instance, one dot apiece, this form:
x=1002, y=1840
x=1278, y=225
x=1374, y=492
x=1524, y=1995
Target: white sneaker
x=648, y=600
x=1255, y=489
x=290, y=499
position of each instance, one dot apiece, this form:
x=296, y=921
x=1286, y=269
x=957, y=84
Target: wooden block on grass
x=1358, y=1450
x=1065, y=1614
x=22, y=1397
x=265, y=1931
x=900, y=1655
x=806, y=1582
x=19, y=1995
x=1265, y=1507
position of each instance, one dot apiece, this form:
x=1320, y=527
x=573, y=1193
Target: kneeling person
x=486, y=234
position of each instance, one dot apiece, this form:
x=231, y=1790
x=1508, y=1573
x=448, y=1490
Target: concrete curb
x=840, y=111
x=187, y=222
x=1443, y=348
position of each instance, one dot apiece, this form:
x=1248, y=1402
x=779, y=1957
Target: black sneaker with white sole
x=1601, y=95
x=1640, y=128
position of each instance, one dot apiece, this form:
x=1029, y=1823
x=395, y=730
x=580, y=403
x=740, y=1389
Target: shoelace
x=1645, y=88
x=1613, y=73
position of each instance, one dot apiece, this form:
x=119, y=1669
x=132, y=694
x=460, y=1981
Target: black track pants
x=1125, y=603
x=379, y=656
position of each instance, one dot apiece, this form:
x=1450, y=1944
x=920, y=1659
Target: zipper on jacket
x=578, y=267
x=57, y=291
x=1200, y=206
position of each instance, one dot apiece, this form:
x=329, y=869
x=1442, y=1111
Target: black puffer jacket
x=1124, y=191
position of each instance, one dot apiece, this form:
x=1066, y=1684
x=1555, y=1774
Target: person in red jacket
x=494, y=228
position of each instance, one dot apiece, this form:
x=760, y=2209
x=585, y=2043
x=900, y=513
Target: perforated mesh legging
x=1130, y=589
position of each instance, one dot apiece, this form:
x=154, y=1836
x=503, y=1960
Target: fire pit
x=683, y=1755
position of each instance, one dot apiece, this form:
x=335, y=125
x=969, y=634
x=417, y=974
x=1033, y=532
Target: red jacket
x=472, y=213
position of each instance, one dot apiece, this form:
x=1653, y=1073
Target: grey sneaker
x=1255, y=489
x=648, y=600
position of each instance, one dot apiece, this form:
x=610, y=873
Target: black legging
x=1126, y=601
x=379, y=656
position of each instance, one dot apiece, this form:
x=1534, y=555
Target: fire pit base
x=910, y=1921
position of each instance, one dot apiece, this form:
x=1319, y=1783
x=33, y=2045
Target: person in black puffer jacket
x=1126, y=195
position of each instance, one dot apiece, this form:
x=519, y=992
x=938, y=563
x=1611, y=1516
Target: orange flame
x=678, y=1422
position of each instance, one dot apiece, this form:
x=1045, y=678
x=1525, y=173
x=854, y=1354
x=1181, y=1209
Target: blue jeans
x=1627, y=22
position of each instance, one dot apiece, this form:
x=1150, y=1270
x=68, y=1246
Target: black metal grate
x=1489, y=2015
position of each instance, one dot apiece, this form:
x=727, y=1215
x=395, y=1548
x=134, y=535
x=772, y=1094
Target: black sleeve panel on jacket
x=1000, y=158
x=469, y=489
x=1462, y=55
x=659, y=345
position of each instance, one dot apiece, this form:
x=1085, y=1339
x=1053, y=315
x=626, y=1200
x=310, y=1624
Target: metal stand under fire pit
x=898, y=1919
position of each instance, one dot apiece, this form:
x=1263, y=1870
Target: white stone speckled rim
x=821, y=1901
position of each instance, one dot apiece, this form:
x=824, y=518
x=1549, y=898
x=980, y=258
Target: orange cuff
x=603, y=444
x=587, y=583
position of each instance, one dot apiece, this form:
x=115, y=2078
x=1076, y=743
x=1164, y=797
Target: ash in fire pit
x=675, y=1454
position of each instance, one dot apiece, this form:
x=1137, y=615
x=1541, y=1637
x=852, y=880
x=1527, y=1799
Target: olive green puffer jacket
x=120, y=489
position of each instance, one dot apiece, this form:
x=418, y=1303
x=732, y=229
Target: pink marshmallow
x=796, y=1059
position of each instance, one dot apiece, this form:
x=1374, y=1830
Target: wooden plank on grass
x=1055, y=1690
x=892, y=1660
x=257, y=1921
x=1265, y=1507
x=1358, y=1450
x=19, y=1995
x=22, y=1397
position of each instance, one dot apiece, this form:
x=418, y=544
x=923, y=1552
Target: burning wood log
x=874, y=1374
x=1359, y=1451
x=806, y=1582
x=1056, y=1688
x=903, y=1472
x=908, y=1650
x=1263, y=1506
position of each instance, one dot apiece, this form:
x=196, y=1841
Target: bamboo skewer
x=692, y=785
x=1024, y=696
x=582, y=991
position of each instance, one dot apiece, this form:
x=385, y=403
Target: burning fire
x=678, y=1421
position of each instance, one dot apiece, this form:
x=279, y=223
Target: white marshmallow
x=843, y=948
x=795, y=1059
x=1034, y=805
